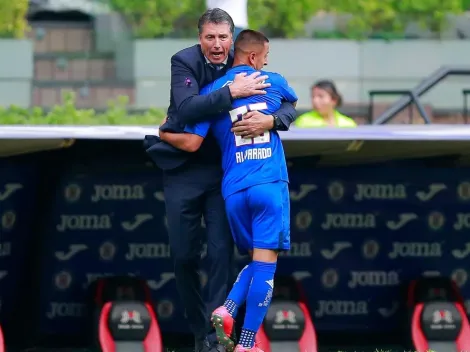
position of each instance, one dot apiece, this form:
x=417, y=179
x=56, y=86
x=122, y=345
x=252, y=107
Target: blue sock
x=257, y=301
x=239, y=291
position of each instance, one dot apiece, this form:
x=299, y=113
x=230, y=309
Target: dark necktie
x=217, y=67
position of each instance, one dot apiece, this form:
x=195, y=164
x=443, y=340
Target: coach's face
x=216, y=41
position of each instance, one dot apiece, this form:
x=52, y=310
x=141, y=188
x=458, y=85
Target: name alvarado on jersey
x=253, y=154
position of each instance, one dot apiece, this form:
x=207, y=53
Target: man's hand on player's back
x=254, y=124
x=245, y=86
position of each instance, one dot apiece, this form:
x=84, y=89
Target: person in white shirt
x=237, y=9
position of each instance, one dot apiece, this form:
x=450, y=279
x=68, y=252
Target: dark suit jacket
x=190, y=71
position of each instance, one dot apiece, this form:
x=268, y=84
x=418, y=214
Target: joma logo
x=66, y=309
x=373, y=278
x=148, y=251
x=117, y=192
x=84, y=222
x=298, y=249
x=340, y=308
x=462, y=222
x=349, y=221
x=9, y=189
x=416, y=250
x=380, y=192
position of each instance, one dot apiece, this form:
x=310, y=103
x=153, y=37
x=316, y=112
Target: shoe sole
x=222, y=337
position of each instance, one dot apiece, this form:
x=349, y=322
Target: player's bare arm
x=184, y=141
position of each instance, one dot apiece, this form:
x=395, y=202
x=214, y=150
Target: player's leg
x=240, y=223
x=269, y=204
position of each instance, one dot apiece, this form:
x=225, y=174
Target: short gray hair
x=216, y=16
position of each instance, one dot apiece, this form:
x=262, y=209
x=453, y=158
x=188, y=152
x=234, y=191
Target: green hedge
x=68, y=114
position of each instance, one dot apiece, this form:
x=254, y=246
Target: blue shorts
x=259, y=217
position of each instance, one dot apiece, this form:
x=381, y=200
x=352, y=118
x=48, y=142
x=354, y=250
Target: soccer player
x=255, y=189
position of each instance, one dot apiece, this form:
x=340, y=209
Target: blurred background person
x=237, y=9
x=325, y=101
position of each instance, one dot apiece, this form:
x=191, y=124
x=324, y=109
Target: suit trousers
x=191, y=192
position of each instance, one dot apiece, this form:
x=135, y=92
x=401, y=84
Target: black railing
x=425, y=85
x=408, y=93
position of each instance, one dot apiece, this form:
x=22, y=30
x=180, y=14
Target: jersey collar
x=241, y=68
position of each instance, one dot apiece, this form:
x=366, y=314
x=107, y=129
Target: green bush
x=282, y=18
x=286, y=18
x=13, y=22
x=151, y=19
x=68, y=114
x=389, y=18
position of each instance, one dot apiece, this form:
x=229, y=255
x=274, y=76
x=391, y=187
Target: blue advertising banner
x=357, y=234
x=17, y=202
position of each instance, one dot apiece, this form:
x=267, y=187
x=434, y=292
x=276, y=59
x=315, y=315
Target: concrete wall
x=356, y=67
x=16, y=72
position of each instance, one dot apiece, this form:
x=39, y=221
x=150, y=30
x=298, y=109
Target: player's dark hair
x=249, y=36
x=216, y=16
x=329, y=87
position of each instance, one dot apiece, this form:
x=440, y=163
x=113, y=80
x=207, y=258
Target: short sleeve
x=201, y=129
x=286, y=90
x=206, y=89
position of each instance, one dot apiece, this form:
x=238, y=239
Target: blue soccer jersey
x=248, y=161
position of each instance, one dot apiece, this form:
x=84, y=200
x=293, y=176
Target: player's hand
x=245, y=86
x=254, y=124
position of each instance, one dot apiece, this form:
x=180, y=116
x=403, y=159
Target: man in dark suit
x=192, y=181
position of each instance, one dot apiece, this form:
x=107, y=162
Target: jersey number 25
x=237, y=115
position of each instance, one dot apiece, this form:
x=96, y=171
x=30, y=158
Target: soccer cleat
x=224, y=325
x=255, y=348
